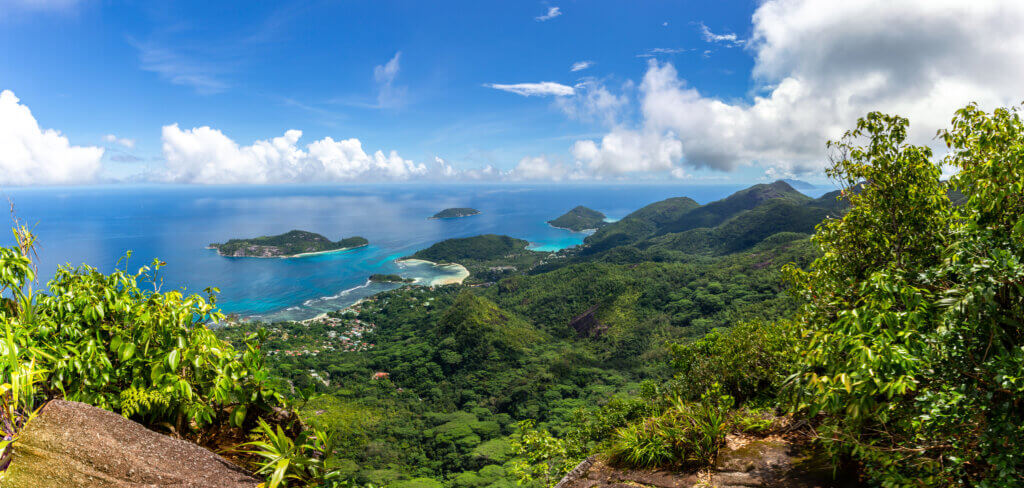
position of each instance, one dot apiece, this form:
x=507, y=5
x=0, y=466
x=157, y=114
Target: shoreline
x=584, y=231
x=292, y=256
x=463, y=273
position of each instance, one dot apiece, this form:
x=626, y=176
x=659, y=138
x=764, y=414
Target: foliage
x=687, y=432
x=307, y=460
x=543, y=458
x=911, y=337
x=750, y=360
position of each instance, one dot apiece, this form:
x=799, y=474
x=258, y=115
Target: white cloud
x=538, y=168
x=552, y=13
x=728, y=40
x=444, y=169
x=206, y=155
x=121, y=141
x=593, y=102
x=388, y=95
x=816, y=71
x=30, y=155
x=581, y=65
x=488, y=172
x=623, y=151
x=544, y=88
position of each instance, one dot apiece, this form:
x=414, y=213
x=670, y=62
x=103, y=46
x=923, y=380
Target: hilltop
x=734, y=223
x=580, y=219
x=456, y=212
x=290, y=244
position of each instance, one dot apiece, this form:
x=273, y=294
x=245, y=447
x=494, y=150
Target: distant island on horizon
x=291, y=244
x=580, y=219
x=455, y=212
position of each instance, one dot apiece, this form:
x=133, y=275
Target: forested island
x=389, y=278
x=580, y=219
x=290, y=244
x=454, y=213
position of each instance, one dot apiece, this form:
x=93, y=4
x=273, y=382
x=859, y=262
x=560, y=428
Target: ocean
x=98, y=225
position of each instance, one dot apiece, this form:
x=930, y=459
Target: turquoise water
x=98, y=225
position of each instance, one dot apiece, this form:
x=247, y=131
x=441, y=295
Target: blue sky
x=664, y=83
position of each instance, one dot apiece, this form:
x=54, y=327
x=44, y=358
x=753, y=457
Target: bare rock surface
x=72, y=444
x=772, y=462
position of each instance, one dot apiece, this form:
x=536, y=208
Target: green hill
x=478, y=248
x=579, y=219
x=285, y=245
x=639, y=224
x=678, y=215
x=480, y=331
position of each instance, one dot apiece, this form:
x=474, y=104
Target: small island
x=454, y=213
x=292, y=244
x=580, y=219
x=389, y=278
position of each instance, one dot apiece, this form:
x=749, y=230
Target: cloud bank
x=30, y=155
x=818, y=69
x=207, y=156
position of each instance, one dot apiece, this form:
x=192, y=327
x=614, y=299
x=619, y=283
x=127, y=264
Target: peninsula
x=580, y=219
x=454, y=213
x=288, y=245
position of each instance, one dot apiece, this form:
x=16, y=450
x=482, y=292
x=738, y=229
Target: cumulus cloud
x=121, y=141
x=538, y=168
x=729, y=40
x=818, y=69
x=30, y=155
x=581, y=65
x=623, y=151
x=542, y=89
x=205, y=155
x=552, y=13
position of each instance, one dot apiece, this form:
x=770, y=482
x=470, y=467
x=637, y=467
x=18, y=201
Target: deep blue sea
x=97, y=225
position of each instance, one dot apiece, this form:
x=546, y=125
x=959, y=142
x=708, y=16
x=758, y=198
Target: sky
x=128, y=92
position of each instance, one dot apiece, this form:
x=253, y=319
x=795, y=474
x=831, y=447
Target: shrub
x=911, y=338
x=687, y=432
x=749, y=360
x=103, y=340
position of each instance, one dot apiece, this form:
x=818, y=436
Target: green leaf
x=127, y=352
x=238, y=415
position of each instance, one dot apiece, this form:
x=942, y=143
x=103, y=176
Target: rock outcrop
x=74, y=444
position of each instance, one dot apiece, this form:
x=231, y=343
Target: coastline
x=583, y=231
x=463, y=273
x=292, y=256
